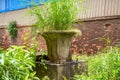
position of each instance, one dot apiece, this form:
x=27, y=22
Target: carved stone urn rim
x=74, y=31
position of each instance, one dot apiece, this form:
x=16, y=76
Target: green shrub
x=16, y=63
x=105, y=66
x=12, y=29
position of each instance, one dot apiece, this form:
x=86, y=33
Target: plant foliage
x=105, y=66
x=55, y=15
x=16, y=63
x=12, y=29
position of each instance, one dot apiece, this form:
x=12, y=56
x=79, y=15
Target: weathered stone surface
x=58, y=71
x=58, y=44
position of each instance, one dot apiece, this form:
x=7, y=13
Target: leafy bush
x=12, y=29
x=16, y=63
x=104, y=66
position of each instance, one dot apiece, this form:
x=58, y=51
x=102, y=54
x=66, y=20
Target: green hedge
x=104, y=66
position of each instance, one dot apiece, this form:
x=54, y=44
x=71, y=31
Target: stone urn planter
x=55, y=23
x=58, y=44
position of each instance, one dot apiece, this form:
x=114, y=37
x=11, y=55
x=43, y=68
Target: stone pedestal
x=58, y=71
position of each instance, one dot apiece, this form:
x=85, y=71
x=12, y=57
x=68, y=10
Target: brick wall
x=24, y=37
x=95, y=35
x=4, y=40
